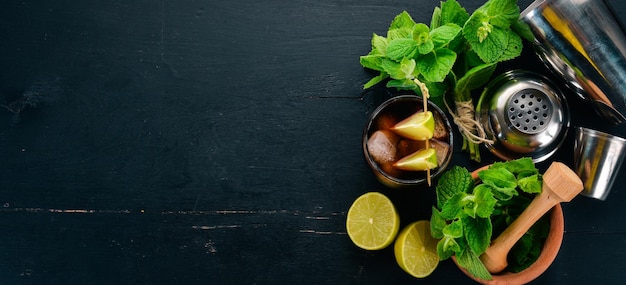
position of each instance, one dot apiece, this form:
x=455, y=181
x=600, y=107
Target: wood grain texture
x=194, y=142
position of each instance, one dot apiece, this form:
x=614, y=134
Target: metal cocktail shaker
x=581, y=41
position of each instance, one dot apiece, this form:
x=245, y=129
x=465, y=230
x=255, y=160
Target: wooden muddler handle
x=560, y=184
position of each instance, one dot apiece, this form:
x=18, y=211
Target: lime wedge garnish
x=420, y=160
x=419, y=126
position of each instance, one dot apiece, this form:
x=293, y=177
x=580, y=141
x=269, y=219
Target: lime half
x=416, y=249
x=372, y=222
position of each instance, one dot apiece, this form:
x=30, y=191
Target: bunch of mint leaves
x=456, y=54
x=468, y=215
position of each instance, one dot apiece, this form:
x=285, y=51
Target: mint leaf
x=435, y=20
x=405, y=69
x=502, y=182
x=421, y=34
x=436, y=65
x=402, y=84
x=476, y=28
x=481, y=203
x=504, y=194
x=531, y=184
x=398, y=49
x=492, y=47
x=484, y=201
x=399, y=33
x=486, y=33
x=437, y=223
x=454, y=207
x=528, y=177
x=408, y=66
x=470, y=261
x=375, y=80
x=401, y=26
x=517, y=166
x=452, y=12
x=426, y=47
x=447, y=247
x=513, y=48
x=498, y=177
x=503, y=13
x=401, y=21
x=379, y=44
x=454, y=229
x=477, y=233
x=392, y=68
x=475, y=77
x=374, y=62
x=456, y=179
x=443, y=35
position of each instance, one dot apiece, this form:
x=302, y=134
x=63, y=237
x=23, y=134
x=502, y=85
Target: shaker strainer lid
x=524, y=114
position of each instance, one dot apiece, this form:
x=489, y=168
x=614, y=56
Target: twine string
x=471, y=129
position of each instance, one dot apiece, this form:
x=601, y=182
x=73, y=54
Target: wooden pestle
x=560, y=184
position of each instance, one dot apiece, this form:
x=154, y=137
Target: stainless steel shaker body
x=581, y=42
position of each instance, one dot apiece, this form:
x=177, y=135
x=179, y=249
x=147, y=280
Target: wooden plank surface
x=215, y=142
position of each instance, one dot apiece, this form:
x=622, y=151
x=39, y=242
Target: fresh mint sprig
x=467, y=216
x=456, y=54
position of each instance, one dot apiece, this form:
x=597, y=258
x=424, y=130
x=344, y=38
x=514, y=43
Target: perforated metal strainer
x=524, y=114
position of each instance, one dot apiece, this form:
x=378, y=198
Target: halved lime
x=419, y=126
x=416, y=249
x=420, y=160
x=372, y=222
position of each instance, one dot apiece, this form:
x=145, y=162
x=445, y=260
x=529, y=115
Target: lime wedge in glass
x=420, y=160
x=419, y=126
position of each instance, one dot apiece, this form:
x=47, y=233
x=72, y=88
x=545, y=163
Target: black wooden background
x=217, y=142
